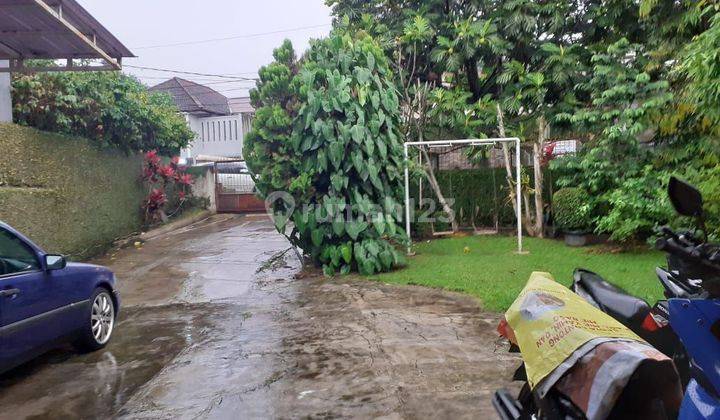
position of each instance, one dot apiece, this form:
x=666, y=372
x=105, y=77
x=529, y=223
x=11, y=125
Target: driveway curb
x=174, y=225
x=161, y=230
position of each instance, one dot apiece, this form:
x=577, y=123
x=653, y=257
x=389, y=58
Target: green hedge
x=477, y=197
x=571, y=208
x=64, y=193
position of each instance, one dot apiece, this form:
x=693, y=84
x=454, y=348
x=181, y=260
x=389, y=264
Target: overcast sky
x=140, y=24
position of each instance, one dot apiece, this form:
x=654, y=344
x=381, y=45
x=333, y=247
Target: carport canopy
x=55, y=29
x=59, y=30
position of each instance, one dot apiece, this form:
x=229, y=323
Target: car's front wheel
x=100, y=321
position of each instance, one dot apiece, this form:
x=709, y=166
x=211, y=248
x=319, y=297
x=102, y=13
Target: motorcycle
x=692, y=312
x=650, y=323
x=696, y=319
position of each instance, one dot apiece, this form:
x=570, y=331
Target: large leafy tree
x=110, y=108
x=625, y=109
x=636, y=81
x=524, y=56
x=325, y=149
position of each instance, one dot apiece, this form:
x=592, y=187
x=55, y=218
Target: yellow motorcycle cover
x=550, y=322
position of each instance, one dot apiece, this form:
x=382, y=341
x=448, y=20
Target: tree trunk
x=471, y=72
x=506, y=158
x=430, y=174
x=527, y=219
x=537, y=167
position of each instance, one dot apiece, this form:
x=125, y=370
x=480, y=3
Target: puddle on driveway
x=215, y=326
x=63, y=383
x=186, y=297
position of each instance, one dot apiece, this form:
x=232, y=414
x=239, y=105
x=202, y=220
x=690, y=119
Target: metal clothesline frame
x=470, y=142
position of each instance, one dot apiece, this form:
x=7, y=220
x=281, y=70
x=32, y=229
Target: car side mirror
x=685, y=198
x=55, y=262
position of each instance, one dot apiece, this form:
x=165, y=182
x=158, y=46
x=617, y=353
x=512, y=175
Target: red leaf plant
x=185, y=179
x=548, y=153
x=166, y=172
x=162, y=180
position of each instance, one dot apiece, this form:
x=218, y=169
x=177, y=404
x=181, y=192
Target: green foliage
x=636, y=207
x=707, y=180
x=626, y=104
x=109, y=108
x=700, y=65
x=454, y=112
x=65, y=193
x=625, y=100
x=638, y=82
x=326, y=134
x=571, y=208
x=479, y=196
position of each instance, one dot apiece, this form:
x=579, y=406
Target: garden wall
x=204, y=184
x=66, y=194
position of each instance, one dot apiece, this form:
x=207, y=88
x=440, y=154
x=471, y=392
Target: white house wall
x=5, y=95
x=216, y=136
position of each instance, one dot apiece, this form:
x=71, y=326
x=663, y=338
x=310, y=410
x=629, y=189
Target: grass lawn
x=492, y=272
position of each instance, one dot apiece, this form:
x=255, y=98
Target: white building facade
x=220, y=124
x=218, y=136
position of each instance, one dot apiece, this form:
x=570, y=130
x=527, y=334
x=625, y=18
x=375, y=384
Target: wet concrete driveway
x=214, y=325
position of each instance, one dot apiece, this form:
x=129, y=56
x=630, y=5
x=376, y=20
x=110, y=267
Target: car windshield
x=15, y=255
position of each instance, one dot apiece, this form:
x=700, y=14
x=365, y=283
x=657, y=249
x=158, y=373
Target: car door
x=30, y=303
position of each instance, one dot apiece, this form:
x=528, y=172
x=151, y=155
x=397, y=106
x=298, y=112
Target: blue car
x=46, y=301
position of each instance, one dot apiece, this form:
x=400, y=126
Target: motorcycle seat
x=614, y=301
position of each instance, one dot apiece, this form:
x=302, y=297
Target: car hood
x=86, y=266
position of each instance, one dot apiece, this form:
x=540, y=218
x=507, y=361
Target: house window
x=236, y=131
x=246, y=123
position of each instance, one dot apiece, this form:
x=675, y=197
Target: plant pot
x=576, y=238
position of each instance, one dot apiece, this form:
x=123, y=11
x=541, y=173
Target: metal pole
x=518, y=191
x=407, y=199
x=420, y=181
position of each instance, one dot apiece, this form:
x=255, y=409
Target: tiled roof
x=194, y=98
x=241, y=105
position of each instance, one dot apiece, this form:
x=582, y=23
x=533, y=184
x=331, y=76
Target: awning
x=55, y=29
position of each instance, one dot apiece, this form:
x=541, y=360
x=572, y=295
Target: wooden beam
x=15, y=5
x=8, y=50
x=102, y=54
x=32, y=33
x=27, y=70
x=18, y=66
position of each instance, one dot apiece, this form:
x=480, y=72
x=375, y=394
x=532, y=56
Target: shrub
x=571, y=209
x=168, y=185
x=637, y=207
x=326, y=136
x=707, y=180
x=109, y=108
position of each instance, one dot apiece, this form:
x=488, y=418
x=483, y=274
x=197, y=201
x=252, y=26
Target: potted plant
x=571, y=211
